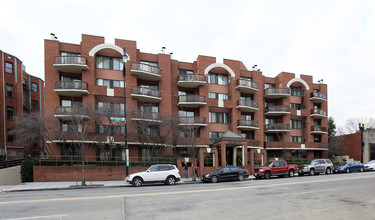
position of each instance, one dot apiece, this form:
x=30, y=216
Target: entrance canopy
x=229, y=136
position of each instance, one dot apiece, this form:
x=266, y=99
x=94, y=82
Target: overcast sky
x=330, y=40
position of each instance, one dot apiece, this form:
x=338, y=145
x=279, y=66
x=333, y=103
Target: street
x=341, y=196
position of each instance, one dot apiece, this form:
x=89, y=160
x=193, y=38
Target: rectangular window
x=296, y=106
x=219, y=96
x=111, y=129
x=270, y=138
x=153, y=131
x=218, y=79
x=295, y=139
x=149, y=108
x=110, y=83
x=270, y=121
x=8, y=67
x=295, y=91
x=268, y=85
x=110, y=63
x=214, y=135
x=9, y=91
x=218, y=117
x=34, y=106
x=317, y=138
x=246, y=117
x=70, y=54
x=248, y=135
x=34, y=87
x=181, y=72
x=10, y=113
x=112, y=109
x=295, y=124
x=10, y=135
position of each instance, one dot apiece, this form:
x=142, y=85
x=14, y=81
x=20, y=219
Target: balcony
x=277, y=128
x=68, y=112
x=276, y=93
x=146, y=94
x=192, y=121
x=247, y=105
x=146, y=71
x=248, y=125
x=277, y=110
x=318, y=97
x=191, y=80
x=138, y=115
x=70, y=64
x=246, y=86
x=71, y=88
x=318, y=129
x=318, y=113
x=191, y=101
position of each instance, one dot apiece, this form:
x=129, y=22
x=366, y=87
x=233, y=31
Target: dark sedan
x=226, y=173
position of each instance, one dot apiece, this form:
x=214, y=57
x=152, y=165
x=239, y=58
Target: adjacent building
x=20, y=94
x=204, y=107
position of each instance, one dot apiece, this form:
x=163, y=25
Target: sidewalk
x=34, y=186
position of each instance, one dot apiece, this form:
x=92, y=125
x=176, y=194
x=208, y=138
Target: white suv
x=160, y=173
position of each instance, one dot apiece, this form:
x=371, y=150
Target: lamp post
x=125, y=58
x=362, y=128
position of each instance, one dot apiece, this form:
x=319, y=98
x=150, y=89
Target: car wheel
x=361, y=170
x=171, y=180
x=347, y=170
x=267, y=175
x=328, y=171
x=137, y=181
x=241, y=177
x=312, y=172
x=214, y=179
x=291, y=173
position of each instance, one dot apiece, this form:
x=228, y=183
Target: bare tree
x=351, y=125
x=336, y=146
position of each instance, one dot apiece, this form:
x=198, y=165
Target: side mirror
x=147, y=171
x=222, y=171
x=273, y=165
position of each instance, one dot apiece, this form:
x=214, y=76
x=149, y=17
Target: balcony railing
x=247, y=103
x=247, y=86
x=146, y=116
x=276, y=92
x=318, y=97
x=247, y=124
x=146, y=71
x=191, y=80
x=318, y=113
x=146, y=94
x=70, y=85
x=193, y=120
x=318, y=129
x=71, y=64
x=71, y=111
x=277, y=110
x=192, y=98
x=277, y=127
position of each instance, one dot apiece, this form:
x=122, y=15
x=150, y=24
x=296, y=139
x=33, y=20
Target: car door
x=282, y=167
x=276, y=168
x=320, y=166
x=162, y=173
x=224, y=174
x=234, y=171
x=151, y=174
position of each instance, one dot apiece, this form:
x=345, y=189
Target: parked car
x=160, y=173
x=275, y=168
x=370, y=165
x=316, y=166
x=226, y=173
x=347, y=167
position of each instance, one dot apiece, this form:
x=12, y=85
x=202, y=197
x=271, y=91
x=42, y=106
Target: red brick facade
x=21, y=93
x=175, y=91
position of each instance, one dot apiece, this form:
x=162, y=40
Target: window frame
x=6, y=90
x=7, y=67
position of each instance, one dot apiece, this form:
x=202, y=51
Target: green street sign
x=116, y=119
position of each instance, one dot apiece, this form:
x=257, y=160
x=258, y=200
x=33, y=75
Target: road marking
x=185, y=192
x=38, y=217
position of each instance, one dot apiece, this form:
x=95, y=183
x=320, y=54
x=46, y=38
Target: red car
x=275, y=168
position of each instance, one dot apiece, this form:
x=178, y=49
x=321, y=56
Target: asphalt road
x=340, y=196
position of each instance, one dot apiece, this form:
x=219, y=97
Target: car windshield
x=310, y=162
x=218, y=169
x=343, y=164
x=268, y=164
x=373, y=161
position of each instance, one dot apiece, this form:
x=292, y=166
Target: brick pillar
x=216, y=155
x=252, y=154
x=223, y=155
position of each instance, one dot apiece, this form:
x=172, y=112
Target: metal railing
x=318, y=112
x=247, y=83
x=70, y=60
x=248, y=123
x=70, y=85
x=248, y=103
x=10, y=163
x=192, y=120
x=191, y=77
x=319, y=128
x=277, y=108
x=145, y=91
x=146, y=68
x=278, y=127
x=155, y=116
x=192, y=98
x=318, y=95
x=284, y=91
x=103, y=160
x=71, y=110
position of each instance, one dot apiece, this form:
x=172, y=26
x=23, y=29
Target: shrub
x=27, y=170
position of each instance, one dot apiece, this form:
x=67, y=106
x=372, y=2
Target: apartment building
x=20, y=94
x=221, y=107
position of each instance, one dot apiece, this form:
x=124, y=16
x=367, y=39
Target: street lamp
x=125, y=58
x=362, y=128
